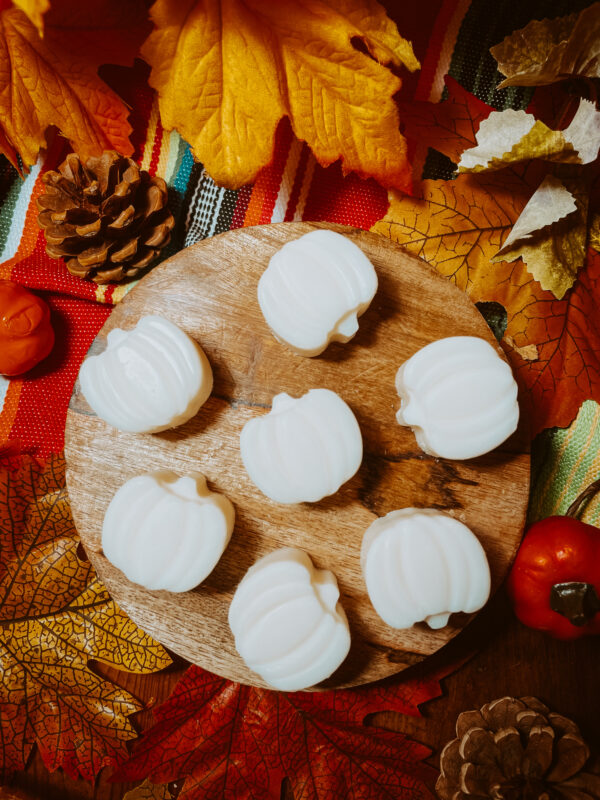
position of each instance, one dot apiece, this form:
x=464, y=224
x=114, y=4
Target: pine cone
x=516, y=750
x=107, y=219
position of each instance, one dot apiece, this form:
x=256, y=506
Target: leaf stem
x=576, y=506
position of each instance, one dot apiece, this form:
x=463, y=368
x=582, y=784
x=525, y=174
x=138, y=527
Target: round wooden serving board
x=209, y=290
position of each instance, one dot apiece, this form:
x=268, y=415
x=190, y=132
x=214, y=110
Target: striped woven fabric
x=566, y=461
x=449, y=36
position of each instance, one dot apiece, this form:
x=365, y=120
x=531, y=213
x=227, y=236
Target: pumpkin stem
x=577, y=505
x=577, y=601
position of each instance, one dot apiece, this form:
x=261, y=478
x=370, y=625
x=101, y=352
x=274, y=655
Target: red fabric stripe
x=273, y=174
x=415, y=22
x=348, y=201
x=38, y=271
x=441, y=18
x=298, y=181
x=40, y=419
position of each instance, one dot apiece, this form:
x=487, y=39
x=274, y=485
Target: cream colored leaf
x=549, y=50
x=227, y=71
x=550, y=234
x=551, y=202
x=528, y=353
x=509, y=137
x=584, y=132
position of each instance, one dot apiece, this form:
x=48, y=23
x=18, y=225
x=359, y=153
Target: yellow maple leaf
x=54, y=81
x=227, y=71
x=550, y=50
x=35, y=10
x=55, y=615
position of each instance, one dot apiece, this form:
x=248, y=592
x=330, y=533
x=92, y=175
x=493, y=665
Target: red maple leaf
x=450, y=126
x=566, y=334
x=235, y=742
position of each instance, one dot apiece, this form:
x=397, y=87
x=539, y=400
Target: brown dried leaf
x=551, y=50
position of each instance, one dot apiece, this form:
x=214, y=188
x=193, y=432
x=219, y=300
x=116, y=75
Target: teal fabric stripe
x=186, y=162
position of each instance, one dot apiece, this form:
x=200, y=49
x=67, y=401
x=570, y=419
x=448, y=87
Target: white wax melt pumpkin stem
x=167, y=532
x=287, y=622
x=313, y=290
x=148, y=379
x=422, y=565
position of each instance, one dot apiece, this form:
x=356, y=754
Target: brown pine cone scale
x=108, y=218
x=516, y=749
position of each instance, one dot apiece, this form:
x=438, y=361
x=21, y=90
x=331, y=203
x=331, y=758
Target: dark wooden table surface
x=509, y=659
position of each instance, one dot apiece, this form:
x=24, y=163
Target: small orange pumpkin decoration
x=26, y=335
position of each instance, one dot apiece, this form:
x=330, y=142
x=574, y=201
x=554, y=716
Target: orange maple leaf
x=54, y=81
x=457, y=228
x=55, y=616
x=227, y=73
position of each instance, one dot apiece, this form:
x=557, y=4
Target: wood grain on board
x=209, y=290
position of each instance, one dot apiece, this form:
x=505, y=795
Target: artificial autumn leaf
x=35, y=10
x=55, y=616
x=227, y=73
x=459, y=225
x=235, y=742
x=527, y=353
x=457, y=228
x=149, y=791
x=550, y=234
x=550, y=50
x=54, y=81
x=450, y=126
x=509, y=137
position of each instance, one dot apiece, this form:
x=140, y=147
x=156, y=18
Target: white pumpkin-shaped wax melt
x=304, y=449
x=459, y=397
x=287, y=622
x=147, y=379
x=420, y=564
x=314, y=289
x=167, y=532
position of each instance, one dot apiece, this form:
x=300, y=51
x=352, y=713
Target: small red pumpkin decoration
x=26, y=335
x=554, y=583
